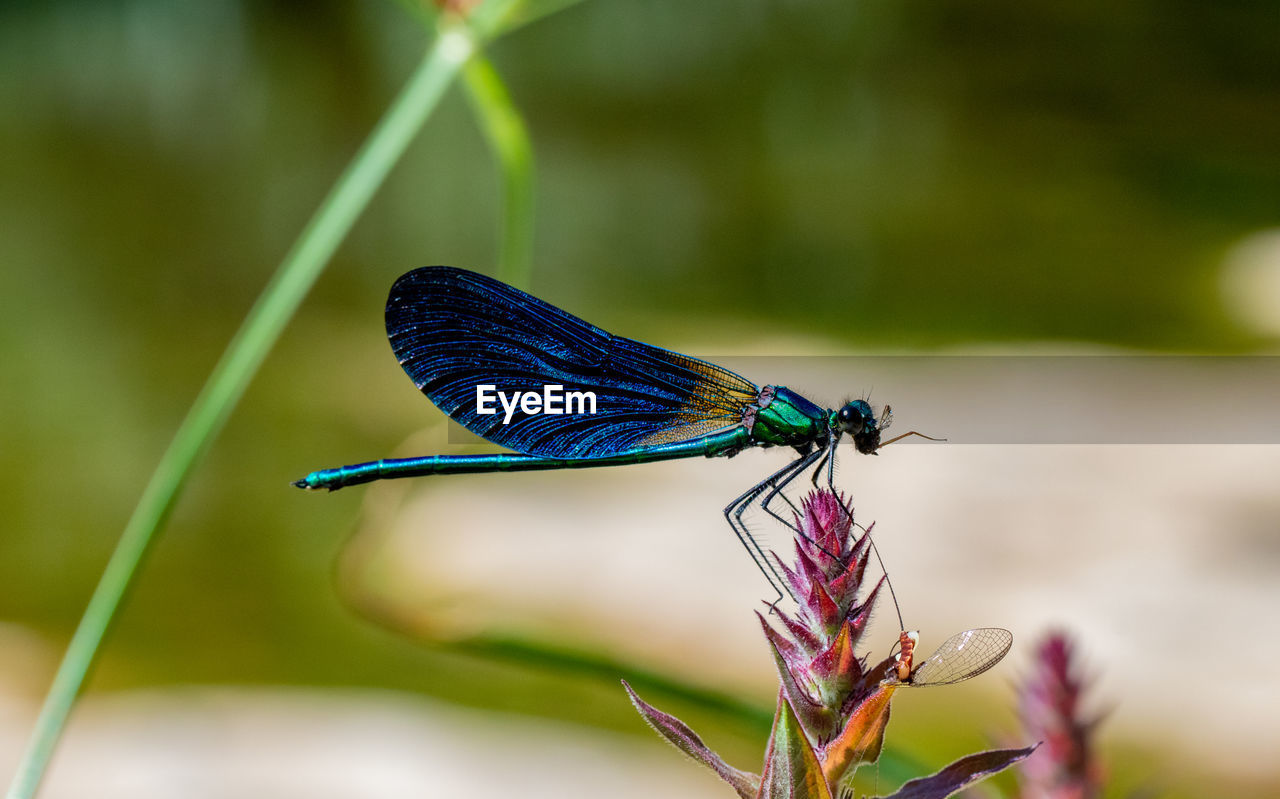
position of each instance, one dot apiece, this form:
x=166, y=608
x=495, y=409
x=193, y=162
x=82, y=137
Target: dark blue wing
x=453, y=330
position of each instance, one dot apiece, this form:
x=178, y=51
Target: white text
x=553, y=400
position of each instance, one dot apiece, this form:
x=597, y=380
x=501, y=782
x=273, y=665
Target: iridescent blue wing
x=453, y=330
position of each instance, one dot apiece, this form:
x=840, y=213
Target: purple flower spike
x=1050, y=707
x=833, y=710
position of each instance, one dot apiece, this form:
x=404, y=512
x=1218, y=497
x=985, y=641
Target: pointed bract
x=861, y=615
x=846, y=581
x=862, y=737
x=818, y=719
x=837, y=667
x=963, y=772
x=793, y=578
x=686, y=740
x=822, y=610
x=844, y=586
x=791, y=653
x=799, y=633
x=791, y=769
x=807, y=571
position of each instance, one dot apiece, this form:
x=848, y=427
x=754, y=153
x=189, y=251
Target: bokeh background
x=730, y=179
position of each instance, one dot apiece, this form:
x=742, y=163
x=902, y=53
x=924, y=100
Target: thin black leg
x=828, y=455
x=780, y=481
x=733, y=515
x=828, y=458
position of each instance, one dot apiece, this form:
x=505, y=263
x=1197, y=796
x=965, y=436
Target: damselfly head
x=854, y=416
x=859, y=420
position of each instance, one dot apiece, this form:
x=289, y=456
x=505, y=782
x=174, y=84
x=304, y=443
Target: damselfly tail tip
x=303, y=484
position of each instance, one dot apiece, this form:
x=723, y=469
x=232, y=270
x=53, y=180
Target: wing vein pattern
x=453, y=330
x=963, y=656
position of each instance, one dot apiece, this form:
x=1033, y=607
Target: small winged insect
x=960, y=657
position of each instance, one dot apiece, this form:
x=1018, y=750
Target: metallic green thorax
x=786, y=419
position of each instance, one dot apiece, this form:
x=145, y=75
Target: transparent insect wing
x=886, y=418
x=962, y=656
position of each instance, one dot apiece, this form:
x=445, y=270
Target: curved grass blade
x=508, y=137
x=244, y=354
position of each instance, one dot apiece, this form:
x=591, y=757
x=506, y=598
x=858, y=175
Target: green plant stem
x=453, y=46
x=508, y=136
x=525, y=12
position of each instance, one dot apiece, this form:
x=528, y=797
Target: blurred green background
x=869, y=176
